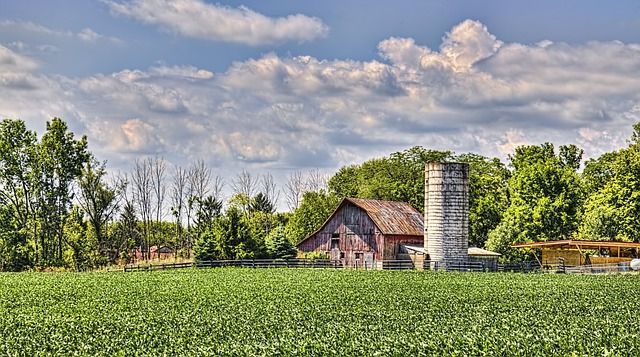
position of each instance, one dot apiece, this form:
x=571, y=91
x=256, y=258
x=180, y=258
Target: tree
x=488, y=198
x=81, y=245
x=158, y=178
x=199, y=182
x=261, y=203
x=270, y=191
x=100, y=202
x=209, y=209
x=61, y=159
x=546, y=197
x=244, y=184
x=399, y=177
x=142, y=200
x=126, y=231
x=613, y=206
x=178, y=203
x=17, y=202
x=313, y=211
x=278, y=245
x=294, y=188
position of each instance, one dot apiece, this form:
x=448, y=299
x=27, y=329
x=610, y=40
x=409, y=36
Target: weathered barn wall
x=349, y=235
x=446, y=222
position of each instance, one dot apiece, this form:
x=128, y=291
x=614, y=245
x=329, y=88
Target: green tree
x=208, y=209
x=314, y=209
x=126, y=232
x=81, y=245
x=261, y=203
x=488, y=197
x=18, y=204
x=613, y=206
x=278, y=245
x=399, y=177
x=61, y=159
x=100, y=202
x=546, y=197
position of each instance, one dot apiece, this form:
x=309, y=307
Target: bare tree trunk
x=199, y=180
x=178, y=191
x=158, y=177
x=142, y=192
x=246, y=185
x=317, y=181
x=295, y=187
x=270, y=189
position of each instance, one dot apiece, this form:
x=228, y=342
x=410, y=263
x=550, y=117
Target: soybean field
x=307, y=312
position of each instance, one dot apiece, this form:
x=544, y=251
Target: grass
x=249, y=312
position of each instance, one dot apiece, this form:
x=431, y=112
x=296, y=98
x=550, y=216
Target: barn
x=365, y=233
x=362, y=233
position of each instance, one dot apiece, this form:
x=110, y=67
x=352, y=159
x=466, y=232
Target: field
x=249, y=312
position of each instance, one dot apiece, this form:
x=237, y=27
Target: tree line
x=59, y=207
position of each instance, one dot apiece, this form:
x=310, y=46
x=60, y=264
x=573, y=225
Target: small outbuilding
x=581, y=252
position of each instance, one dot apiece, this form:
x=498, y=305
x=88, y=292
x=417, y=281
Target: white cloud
x=12, y=62
x=89, y=35
x=86, y=34
x=510, y=141
x=474, y=94
x=468, y=43
x=194, y=18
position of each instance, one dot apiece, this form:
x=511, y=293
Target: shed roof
x=392, y=218
x=479, y=252
x=473, y=251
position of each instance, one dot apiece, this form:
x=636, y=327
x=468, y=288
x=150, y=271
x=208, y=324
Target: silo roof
x=392, y=218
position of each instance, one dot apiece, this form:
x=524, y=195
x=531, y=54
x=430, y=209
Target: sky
x=283, y=86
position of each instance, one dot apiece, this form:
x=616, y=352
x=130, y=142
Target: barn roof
x=392, y=218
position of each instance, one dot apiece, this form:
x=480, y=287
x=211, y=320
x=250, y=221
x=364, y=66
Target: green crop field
x=252, y=312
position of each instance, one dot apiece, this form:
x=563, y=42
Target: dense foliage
x=247, y=312
x=59, y=207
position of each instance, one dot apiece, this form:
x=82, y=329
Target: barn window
x=335, y=240
x=341, y=255
x=358, y=256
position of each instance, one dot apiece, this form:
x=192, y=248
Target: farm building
x=582, y=252
x=361, y=232
x=154, y=252
x=364, y=233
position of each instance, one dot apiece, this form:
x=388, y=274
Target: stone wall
x=446, y=207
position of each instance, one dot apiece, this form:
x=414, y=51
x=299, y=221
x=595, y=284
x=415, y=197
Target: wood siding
x=358, y=238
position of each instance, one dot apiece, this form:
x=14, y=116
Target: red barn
x=365, y=232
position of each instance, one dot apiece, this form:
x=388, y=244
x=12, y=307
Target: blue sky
x=285, y=86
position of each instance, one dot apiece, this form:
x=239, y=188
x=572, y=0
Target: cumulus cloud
x=13, y=62
x=194, y=18
x=472, y=94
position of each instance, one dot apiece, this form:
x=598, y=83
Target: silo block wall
x=447, y=212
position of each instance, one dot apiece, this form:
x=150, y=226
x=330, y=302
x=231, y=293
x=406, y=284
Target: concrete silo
x=446, y=208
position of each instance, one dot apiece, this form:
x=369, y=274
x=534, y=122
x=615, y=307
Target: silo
x=446, y=208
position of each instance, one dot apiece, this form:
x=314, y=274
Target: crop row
x=234, y=311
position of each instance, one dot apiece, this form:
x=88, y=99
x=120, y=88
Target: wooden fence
x=469, y=266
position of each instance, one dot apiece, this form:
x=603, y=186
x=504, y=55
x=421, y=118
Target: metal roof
x=479, y=252
x=392, y=218
x=473, y=251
